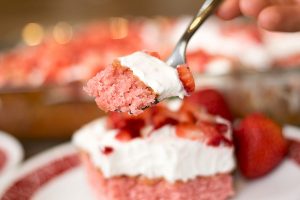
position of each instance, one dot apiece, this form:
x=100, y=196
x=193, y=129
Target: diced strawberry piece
x=260, y=145
x=203, y=132
x=213, y=101
x=186, y=117
x=221, y=128
x=186, y=77
x=211, y=130
x=124, y=135
x=117, y=120
x=161, y=116
x=107, y=150
x=161, y=120
x=191, y=111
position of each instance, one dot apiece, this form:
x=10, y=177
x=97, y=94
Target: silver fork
x=178, y=55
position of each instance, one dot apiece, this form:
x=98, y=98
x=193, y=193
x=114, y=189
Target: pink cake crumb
x=294, y=151
x=218, y=187
x=116, y=88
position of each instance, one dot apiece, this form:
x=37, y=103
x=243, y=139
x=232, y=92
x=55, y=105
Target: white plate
x=58, y=175
x=11, y=154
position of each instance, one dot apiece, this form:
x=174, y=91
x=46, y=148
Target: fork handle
x=178, y=55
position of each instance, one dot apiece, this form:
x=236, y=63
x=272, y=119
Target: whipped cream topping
x=162, y=78
x=159, y=155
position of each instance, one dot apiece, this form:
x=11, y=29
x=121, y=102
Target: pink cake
x=144, y=157
x=117, y=89
x=137, y=81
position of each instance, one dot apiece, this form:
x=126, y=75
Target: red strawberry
x=107, y=150
x=260, y=146
x=161, y=116
x=117, y=120
x=202, y=131
x=213, y=101
x=125, y=135
x=186, y=78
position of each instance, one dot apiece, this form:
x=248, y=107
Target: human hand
x=273, y=15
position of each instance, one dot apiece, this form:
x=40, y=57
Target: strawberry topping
x=107, y=150
x=186, y=78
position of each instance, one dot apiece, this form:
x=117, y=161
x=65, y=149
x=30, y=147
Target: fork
x=178, y=55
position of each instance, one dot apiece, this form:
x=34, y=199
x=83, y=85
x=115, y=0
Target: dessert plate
x=58, y=175
x=11, y=154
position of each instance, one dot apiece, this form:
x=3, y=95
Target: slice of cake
x=137, y=81
x=188, y=156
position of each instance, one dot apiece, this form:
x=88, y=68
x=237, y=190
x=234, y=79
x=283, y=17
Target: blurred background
x=50, y=48
x=24, y=112
x=16, y=14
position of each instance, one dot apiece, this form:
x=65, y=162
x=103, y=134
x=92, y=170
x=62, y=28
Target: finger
x=280, y=18
x=229, y=9
x=252, y=8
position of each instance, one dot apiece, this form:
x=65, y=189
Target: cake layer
x=217, y=187
x=116, y=88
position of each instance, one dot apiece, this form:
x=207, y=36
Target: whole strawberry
x=260, y=145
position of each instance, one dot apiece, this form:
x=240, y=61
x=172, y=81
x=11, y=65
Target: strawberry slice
x=123, y=135
x=202, y=131
x=213, y=101
x=186, y=77
x=260, y=145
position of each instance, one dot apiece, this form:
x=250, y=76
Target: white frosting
x=162, y=78
x=291, y=132
x=160, y=155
